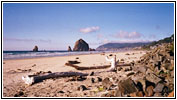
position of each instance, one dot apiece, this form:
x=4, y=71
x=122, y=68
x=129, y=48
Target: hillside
x=165, y=40
x=115, y=46
x=147, y=45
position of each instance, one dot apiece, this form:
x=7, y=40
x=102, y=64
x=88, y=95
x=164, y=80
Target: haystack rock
x=35, y=49
x=69, y=48
x=81, y=45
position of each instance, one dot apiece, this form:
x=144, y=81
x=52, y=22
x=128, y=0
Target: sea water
x=31, y=54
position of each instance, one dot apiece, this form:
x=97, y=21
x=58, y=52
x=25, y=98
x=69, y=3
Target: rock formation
x=81, y=45
x=69, y=48
x=90, y=49
x=35, y=49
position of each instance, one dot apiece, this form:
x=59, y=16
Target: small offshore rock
x=69, y=48
x=35, y=49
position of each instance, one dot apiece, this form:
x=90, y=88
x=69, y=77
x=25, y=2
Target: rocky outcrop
x=90, y=49
x=69, y=48
x=35, y=49
x=81, y=45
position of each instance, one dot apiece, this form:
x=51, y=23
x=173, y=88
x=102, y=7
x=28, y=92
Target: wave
x=29, y=54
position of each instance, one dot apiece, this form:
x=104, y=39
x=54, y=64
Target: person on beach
x=113, y=62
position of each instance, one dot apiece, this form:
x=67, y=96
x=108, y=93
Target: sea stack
x=35, y=49
x=81, y=45
x=69, y=48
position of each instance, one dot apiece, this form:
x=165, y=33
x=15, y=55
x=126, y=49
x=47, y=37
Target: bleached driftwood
x=87, y=68
x=94, y=67
x=34, y=79
x=113, y=62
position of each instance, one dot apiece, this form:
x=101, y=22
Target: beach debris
x=77, y=57
x=127, y=54
x=19, y=71
x=99, y=79
x=77, y=78
x=4, y=63
x=73, y=62
x=33, y=65
x=18, y=94
x=107, y=83
x=81, y=45
x=82, y=88
x=92, y=80
x=61, y=92
x=35, y=79
x=92, y=73
x=69, y=48
x=35, y=49
x=111, y=55
x=131, y=73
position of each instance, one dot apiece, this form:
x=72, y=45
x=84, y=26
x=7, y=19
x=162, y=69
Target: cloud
x=131, y=41
x=89, y=29
x=26, y=40
x=127, y=35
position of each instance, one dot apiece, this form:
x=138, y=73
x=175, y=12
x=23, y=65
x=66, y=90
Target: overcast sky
x=55, y=26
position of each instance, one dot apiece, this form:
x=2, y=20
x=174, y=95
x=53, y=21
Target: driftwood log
x=94, y=67
x=35, y=79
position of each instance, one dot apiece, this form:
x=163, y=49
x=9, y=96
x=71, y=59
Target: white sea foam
x=21, y=55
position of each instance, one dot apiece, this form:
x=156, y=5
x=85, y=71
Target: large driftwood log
x=87, y=68
x=31, y=80
x=94, y=67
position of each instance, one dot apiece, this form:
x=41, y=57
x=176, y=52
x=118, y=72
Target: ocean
x=31, y=54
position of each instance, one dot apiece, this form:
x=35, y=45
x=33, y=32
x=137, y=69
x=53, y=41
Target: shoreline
x=28, y=58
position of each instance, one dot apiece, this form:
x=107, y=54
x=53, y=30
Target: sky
x=55, y=26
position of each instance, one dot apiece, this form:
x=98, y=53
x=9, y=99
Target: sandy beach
x=13, y=70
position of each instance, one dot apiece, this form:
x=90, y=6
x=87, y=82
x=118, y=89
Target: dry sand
x=13, y=70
